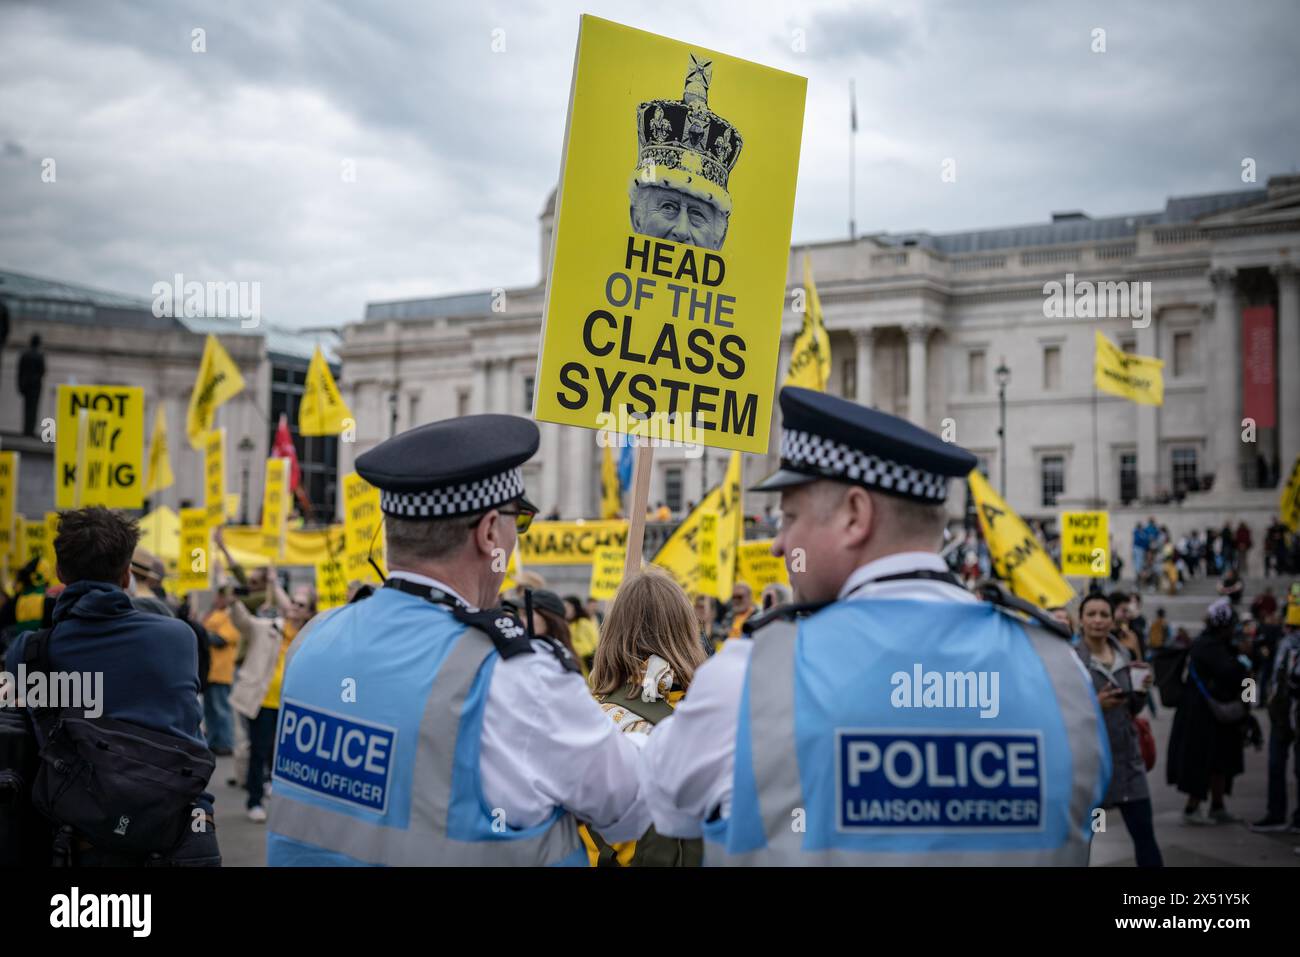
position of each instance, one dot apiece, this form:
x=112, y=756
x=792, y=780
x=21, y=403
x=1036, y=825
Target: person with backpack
x=645, y=660
x=148, y=713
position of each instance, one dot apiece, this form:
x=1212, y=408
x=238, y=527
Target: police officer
x=416, y=728
x=899, y=721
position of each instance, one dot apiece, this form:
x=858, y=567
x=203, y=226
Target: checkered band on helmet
x=463, y=499
x=803, y=451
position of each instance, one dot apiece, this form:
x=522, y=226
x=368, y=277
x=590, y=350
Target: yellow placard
x=682, y=557
x=19, y=547
x=757, y=567
x=275, y=508
x=331, y=585
x=214, y=476
x=1289, y=505
x=570, y=543
x=363, y=529
x=51, y=533
x=9, y=464
x=706, y=551
x=667, y=281
x=193, y=565
x=1085, y=544
x=606, y=571
x=117, y=447
x=1017, y=556
x=34, y=538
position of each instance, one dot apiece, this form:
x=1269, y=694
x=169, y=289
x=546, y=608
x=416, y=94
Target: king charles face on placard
x=685, y=156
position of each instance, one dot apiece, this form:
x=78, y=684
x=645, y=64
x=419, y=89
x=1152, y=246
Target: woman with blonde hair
x=647, y=655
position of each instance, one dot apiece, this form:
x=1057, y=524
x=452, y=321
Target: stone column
x=1288, y=365
x=864, y=340
x=917, y=336
x=478, y=398
x=1148, y=427
x=1224, y=411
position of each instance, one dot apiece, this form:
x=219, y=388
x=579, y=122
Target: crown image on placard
x=684, y=145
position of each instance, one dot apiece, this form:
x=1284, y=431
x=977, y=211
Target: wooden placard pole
x=640, y=500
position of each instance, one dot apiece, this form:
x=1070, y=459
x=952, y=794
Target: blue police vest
x=875, y=733
x=377, y=748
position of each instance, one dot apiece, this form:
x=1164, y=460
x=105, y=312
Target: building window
x=673, y=489
x=1183, y=467
x=1182, y=354
x=1051, y=368
x=976, y=381
x=1053, y=478
x=849, y=376
x=529, y=385
x=1128, y=477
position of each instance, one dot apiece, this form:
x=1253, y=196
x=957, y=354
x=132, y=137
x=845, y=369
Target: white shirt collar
x=432, y=583
x=894, y=564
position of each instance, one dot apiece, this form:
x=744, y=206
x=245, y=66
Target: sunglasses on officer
x=523, y=516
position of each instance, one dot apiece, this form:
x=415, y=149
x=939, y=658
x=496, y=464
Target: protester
x=1243, y=541
x=582, y=629
x=1280, y=698
x=742, y=606
x=1205, y=742
x=1121, y=689
x=645, y=661
x=149, y=676
x=1232, y=587
x=549, y=620
x=217, y=718
x=706, y=619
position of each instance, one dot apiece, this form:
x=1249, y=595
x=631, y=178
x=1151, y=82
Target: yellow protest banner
x=218, y=381
x=706, y=553
x=757, y=567
x=322, y=411
x=34, y=546
x=51, y=533
x=159, y=476
x=611, y=497
x=1289, y=505
x=681, y=556
x=659, y=315
x=275, y=507
x=1139, y=378
x=303, y=548
x=193, y=566
x=119, y=478
x=214, y=476
x=9, y=464
x=331, y=584
x=1085, y=544
x=606, y=571
x=570, y=543
x=810, y=357
x=1017, y=556
x=93, y=436
x=362, y=524
x=19, y=548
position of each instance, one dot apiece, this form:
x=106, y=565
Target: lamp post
x=1003, y=376
x=245, y=453
x=392, y=413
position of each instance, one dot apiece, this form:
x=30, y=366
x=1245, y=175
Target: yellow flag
x=1139, y=378
x=323, y=411
x=1017, y=555
x=218, y=381
x=1289, y=506
x=160, y=462
x=611, y=498
x=681, y=556
x=810, y=359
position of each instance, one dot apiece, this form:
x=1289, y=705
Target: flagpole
x=1096, y=459
x=640, y=499
x=853, y=136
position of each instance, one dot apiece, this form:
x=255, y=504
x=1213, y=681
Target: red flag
x=283, y=448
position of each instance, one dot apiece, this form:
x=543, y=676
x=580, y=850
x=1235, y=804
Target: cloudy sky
x=226, y=164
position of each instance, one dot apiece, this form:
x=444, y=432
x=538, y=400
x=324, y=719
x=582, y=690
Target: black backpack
x=122, y=787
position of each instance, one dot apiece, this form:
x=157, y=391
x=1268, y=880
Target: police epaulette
x=505, y=630
x=994, y=593
x=788, y=612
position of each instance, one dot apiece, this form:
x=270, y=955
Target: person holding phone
x=1121, y=684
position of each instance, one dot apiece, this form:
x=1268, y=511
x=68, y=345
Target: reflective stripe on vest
x=768, y=768
x=441, y=802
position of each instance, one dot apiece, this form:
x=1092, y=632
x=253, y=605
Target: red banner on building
x=1258, y=381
